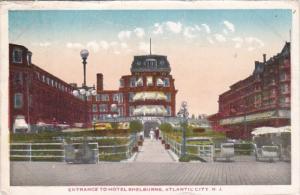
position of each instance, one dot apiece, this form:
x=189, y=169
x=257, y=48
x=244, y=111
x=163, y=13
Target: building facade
x=38, y=95
x=148, y=91
x=261, y=99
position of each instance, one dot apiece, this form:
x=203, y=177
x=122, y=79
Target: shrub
x=135, y=126
x=166, y=127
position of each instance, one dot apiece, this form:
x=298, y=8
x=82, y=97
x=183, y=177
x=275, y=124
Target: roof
x=150, y=63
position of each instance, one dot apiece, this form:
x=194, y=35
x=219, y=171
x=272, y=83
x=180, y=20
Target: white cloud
x=139, y=32
x=255, y=42
x=44, y=44
x=93, y=45
x=124, y=34
x=189, y=32
x=225, y=32
x=74, y=45
x=174, y=27
x=158, y=29
x=238, y=41
x=198, y=28
x=206, y=27
x=104, y=45
x=220, y=37
x=229, y=26
x=124, y=45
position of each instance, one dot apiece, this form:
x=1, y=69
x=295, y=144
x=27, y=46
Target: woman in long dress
x=151, y=134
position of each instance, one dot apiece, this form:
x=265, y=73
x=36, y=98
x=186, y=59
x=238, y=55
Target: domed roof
x=150, y=63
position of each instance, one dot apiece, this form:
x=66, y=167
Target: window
x=120, y=111
x=43, y=78
x=95, y=117
x=284, y=88
x=18, y=78
x=149, y=81
x=48, y=80
x=98, y=97
x=132, y=82
x=29, y=55
x=104, y=97
x=103, y=108
x=168, y=97
x=168, y=110
x=52, y=83
x=131, y=97
x=18, y=100
x=122, y=83
x=167, y=82
x=116, y=97
x=37, y=75
x=282, y=76
x=139, y=82
x=131, y=109
x=159, y=82
x=94, y=108
x=120, y=97
x=17, y=55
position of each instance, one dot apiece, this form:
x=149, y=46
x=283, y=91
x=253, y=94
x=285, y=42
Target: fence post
x=64, y=152
x=30, y=152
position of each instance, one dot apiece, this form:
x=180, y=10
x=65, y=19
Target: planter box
x=167, y=146
x=163, y=141
x=135, y=149
x=140, y=143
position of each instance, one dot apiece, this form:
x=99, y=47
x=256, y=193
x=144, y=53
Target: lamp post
x=183, y=114
x=85, y=91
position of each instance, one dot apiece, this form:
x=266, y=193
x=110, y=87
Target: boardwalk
x=147, y=173
x=153, y=151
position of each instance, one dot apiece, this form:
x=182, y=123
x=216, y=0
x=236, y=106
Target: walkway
x=115, y=173
x=153, y=151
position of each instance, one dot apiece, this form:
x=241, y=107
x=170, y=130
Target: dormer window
x=17, y=55
x=29, y=54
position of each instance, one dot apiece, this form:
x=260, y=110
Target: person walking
x=151, y=134
x=156, y=133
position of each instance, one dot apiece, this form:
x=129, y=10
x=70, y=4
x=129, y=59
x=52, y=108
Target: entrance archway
x=148, y=125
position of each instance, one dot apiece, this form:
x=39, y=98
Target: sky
x=208, y=50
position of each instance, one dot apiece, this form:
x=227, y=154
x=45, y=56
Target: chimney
x=99, y=82
x=264, y=55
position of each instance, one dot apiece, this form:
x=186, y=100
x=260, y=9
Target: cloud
x=104, y=45
x=189, y=32
x=139, y=32
x=225, y=31
x=229, y=26
x=124, y=45
x=238, y=41
x=174, y=27
x=158, y=29
x=254, y=43
x=206, y=28
x=74, y=45
x=125, y=34
x=45, y=44
x=93, y=45
x=220, y=37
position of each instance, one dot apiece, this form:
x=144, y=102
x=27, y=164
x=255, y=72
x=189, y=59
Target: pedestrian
x=151, y=134
x=156, y=133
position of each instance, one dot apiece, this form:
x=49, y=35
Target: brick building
x=148, y=91
x=261, y=99
x=38, y=95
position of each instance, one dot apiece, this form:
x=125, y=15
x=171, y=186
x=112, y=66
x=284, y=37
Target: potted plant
x=167, y=146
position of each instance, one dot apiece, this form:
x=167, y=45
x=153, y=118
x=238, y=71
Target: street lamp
x=184, y=114
x=84, y=54
x=85, y=91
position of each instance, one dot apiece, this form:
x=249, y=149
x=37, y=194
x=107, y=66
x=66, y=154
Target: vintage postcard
x=149, y=97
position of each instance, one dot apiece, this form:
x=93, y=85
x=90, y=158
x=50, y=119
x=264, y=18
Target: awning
x=149, y=96
x=150, y=110
x=140, y=81
x=20, y=123
x=269, y=130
